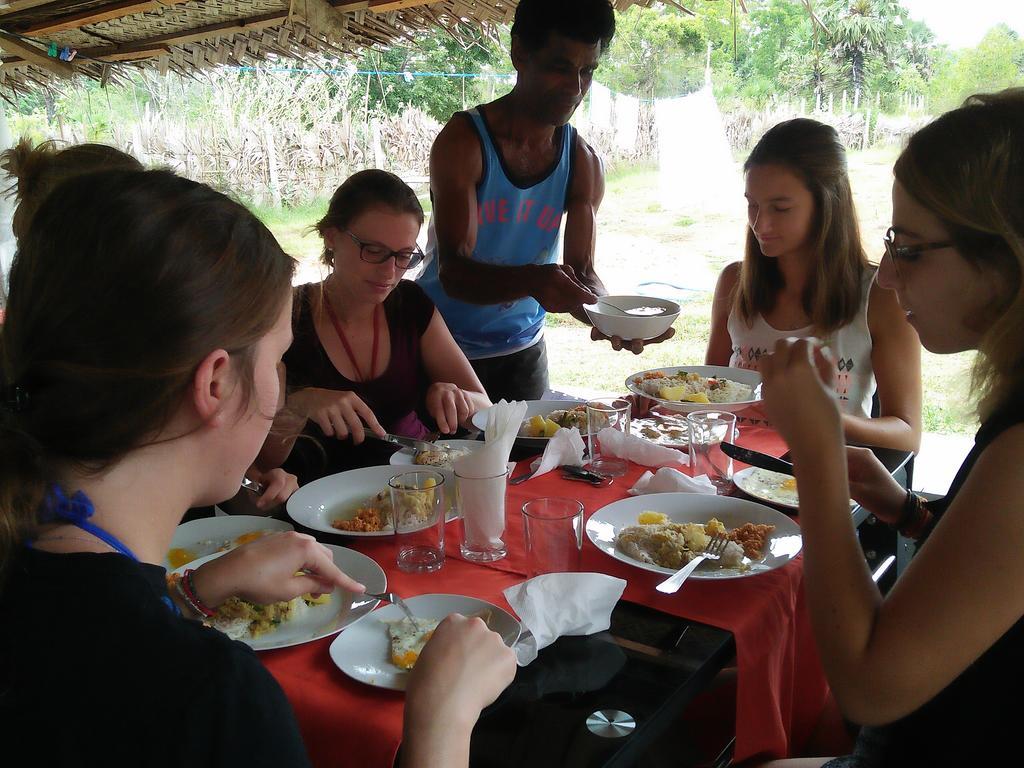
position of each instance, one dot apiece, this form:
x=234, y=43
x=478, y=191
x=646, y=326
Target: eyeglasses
x=908, y=253
x=375, y=253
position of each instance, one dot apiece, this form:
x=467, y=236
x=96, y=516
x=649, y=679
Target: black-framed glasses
x=376, y=253
x=908, y=253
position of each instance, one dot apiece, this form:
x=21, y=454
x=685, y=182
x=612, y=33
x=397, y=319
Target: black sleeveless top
x=972, y=721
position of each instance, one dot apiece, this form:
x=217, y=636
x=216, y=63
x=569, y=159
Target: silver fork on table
x=713, y=551
x=391, y=597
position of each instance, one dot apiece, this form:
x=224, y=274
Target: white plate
x=336, y=497
x=741, y=375
x=405, y=458
x=199, y=538
x=783, y=545
x=327, y=619
x=533, y=408
x=769, y=486
x=364, y=651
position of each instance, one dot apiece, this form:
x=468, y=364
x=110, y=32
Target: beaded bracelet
x=915, y=517
x=188, y=591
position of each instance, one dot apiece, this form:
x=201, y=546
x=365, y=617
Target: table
x=780, y=685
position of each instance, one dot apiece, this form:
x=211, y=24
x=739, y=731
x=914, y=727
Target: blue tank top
x=515, y=226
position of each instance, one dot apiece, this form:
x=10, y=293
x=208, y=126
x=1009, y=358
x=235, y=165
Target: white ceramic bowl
x=611, y=322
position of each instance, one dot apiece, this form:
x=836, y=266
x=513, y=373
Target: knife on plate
x=407, y=442
x=757, y=459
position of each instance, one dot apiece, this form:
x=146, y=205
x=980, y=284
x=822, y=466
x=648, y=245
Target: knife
x=757, y=459
x=407, y=442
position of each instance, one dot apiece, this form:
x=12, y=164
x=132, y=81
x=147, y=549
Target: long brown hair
x=832, y=298
x=123, y=283
x=967, y=168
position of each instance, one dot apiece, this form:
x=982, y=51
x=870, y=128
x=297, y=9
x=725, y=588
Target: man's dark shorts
x=523, y=375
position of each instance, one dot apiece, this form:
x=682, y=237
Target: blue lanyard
x=76, y=511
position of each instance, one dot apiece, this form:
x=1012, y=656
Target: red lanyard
x=347, y=346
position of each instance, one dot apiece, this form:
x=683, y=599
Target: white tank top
x=850, y=345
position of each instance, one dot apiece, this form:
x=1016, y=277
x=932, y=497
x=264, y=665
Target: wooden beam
x=96, y=15
x=135, y=55
x=16, y=6
x=383, y=6
x=221, y=29
x=35, y=56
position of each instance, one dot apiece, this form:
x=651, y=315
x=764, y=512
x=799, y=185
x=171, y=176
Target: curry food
x=241, y=620
x=684, y=387
x=546, y=426
x=658, y=541
x=376, y=513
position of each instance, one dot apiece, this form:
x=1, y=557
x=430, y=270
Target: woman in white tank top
x=805, y=274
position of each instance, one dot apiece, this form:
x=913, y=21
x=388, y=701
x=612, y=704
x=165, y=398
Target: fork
x=391, y=597
x=713, y=551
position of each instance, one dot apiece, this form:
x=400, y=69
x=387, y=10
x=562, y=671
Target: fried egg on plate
x=772, y=486
x=408, y=639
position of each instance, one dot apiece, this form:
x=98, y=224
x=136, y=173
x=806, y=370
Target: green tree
x=656, y=52
x=439, y=54
x=862, y=29
x=996, y=62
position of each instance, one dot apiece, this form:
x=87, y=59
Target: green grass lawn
x=633, y=222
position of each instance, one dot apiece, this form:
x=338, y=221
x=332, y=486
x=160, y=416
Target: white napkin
x=557, y=604
x=486, y=501
x=565, y=447
x=668, y=480
x=622, y=446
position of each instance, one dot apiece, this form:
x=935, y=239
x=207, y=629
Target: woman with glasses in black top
x=371, y=353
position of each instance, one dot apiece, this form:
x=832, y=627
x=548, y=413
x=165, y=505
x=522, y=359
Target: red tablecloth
x=780, y=684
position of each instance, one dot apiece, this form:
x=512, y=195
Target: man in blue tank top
x=501, y=177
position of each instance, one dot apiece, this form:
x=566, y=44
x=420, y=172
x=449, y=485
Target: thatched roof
x=112, y=36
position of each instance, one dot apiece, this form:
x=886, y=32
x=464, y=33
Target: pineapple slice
x=535, y=426
x=672, y=393
x=652, y=518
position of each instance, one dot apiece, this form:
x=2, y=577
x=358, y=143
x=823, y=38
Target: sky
x=961, y=24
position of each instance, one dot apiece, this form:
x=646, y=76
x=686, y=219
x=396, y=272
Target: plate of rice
x=304, y=618
x=358, y=502
x=689, y=388
x=661, y=532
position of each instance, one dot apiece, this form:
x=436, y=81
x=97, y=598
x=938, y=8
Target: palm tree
x=858, y=29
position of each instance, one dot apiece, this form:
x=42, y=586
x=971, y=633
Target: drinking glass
x=481, y=505
x=553, y=528
x=707, y=431
x=417, y=514
x=606, y=413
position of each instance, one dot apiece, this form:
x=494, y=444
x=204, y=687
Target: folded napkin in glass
x=564, y=447
x=557, y=604
x=668, y=480
x=637, y=449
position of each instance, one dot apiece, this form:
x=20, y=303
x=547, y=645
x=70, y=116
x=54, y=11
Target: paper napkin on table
x=565, y=447
x=557, y=604
x=668, y=480
x=490, y=461
x=620, y=445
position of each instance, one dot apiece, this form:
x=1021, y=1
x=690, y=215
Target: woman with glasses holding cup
x=371, y=353
x=928, y=668
x=805, y=274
